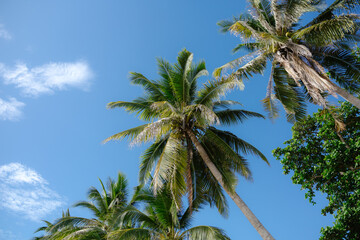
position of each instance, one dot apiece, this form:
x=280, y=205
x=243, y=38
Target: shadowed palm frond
x=239, y=145
x=326, y=32
x=342, y=64
x=229, y=116
x=149, y=157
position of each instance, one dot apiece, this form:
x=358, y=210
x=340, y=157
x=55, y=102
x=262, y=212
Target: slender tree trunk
x=347, y=96
x=189, y=181
x=234, y=196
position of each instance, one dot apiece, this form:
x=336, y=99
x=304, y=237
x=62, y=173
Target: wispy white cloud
x=5, y=234
x=10, y=110
x=47, y=78
x=24, y=191
x=4, y=33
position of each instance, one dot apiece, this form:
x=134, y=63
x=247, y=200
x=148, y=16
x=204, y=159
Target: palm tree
x=303, y=58
x=105, y=206
x=48, y=227
x=160, y=219
x=188, y=149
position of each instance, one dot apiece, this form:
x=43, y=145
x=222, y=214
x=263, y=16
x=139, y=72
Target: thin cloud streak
x=25, y=192
x=4, y=33
x=4, y=234
x=11, y=110
x=47, y=78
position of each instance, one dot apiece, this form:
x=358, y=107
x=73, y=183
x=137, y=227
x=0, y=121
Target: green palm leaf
x=205, y=232
x=130, y=133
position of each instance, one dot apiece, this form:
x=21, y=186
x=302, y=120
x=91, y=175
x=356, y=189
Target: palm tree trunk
x=347, y=96
x=234, y=196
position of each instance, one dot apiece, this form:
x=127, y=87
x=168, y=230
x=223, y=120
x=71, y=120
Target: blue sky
x=61, y=62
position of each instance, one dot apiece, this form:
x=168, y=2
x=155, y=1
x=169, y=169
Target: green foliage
x=300, y=55
x=159, y=218
x=324, y=159
x=176, y=106
x=105, y=205
x=147, y=216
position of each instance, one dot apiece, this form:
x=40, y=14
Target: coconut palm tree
x=303, y=58
x=48, y=227
x=187, y=148
x=105, y=206
x=160, y=219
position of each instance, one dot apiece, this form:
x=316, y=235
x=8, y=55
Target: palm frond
x=151, y=87
x=213, y=90
x=172, y=159
x=204, y=115
x=250, y=46
x=86, y=233
x=236, y=63
x=262, y=8
x=131, y=133
x=140, y=106
x=130, y=234
x=289, y=95
x=89, y=206
x=291, y=11
x=239, y=145
x=133, y=215
x=220, y=148
x=224, y=104
x=336, y=7
x=198, y=70
x=326, y=32
x=149, y=157
x=184, y=65
x=230, y=116
x=205, y=232
x=163, y=109
x=207, y=188
x=255, y=66
x=342, y=65
x=153, y=130
x=94, y=195
x=73, y=222
x=172, y=89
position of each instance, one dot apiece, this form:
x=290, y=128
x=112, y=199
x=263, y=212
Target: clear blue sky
x=62, y=61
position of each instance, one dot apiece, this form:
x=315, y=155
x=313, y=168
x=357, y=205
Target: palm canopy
x=303, y=58
x=105, y=206
x=48, y=228
x=160, y=219
x=174, y=105
x=188, y=150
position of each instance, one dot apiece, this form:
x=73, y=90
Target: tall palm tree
x=160, y=219
x=303, y=58
x=105, y=206
x=182, y=120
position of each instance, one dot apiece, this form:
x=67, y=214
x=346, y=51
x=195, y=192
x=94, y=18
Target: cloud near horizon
x=25, y=192
x=11, y=110
x=47, y=78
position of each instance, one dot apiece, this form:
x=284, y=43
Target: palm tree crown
x=188, y=150
x=105, y=206
x=160, y=219
x=303, y=58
